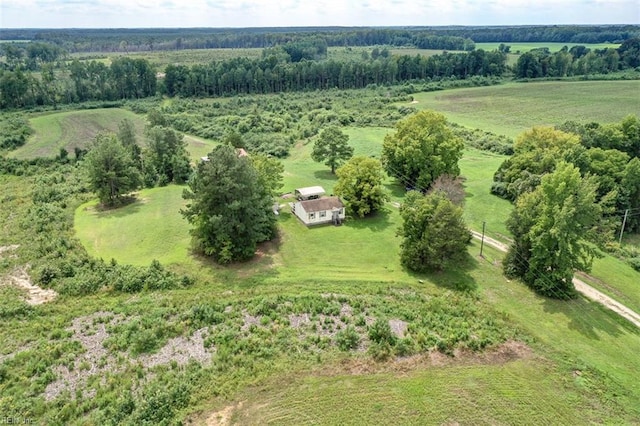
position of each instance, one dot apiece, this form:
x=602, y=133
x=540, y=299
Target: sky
x=283, y=13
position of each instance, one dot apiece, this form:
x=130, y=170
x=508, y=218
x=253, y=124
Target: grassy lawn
x=478, y=167
x=512, y=108
x=149, y=228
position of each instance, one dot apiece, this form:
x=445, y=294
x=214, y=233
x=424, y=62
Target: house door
x=335, y=217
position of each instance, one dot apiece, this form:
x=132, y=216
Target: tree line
x=450, y=38
x=578, y=60
x=136, y=40
x=270, y=75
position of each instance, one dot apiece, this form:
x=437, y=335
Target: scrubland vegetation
x=154, y=319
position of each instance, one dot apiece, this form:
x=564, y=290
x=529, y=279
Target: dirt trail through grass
x=582, y=287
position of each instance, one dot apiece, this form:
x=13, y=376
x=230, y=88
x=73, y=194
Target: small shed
x=319, y=210
x=309, y=193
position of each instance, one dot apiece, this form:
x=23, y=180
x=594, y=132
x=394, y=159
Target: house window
x=341, y=211
x=323, y=214
x=312, y=216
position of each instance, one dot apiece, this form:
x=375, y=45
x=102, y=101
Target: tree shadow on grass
x=395, y=189
x=127, y=206
x=378, y=221
x=325, y=175
x=588, y=317
x=456, y=277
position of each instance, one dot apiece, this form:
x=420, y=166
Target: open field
x=72, y=129
x=576, y=362
x=553, y=47
x=512, y=108
x=78, y=128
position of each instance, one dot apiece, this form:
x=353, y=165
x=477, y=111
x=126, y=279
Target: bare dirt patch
x=223, y=417
x=9, y=248
x=92, y=332
x=398, y=327
x=35, y=295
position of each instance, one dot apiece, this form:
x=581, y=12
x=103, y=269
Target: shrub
x=347, y=339
x=380, y=332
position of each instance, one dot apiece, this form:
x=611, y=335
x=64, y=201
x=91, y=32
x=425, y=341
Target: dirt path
x=35, y=295
x=582, y=287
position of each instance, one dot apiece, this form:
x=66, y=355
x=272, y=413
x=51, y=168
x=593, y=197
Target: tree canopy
x=421, y=149
x=549, y=226
x=111, y=169
x=332, y=147
x=229, y=208
x=360, y=186
x=166, y=157
x=434, y=233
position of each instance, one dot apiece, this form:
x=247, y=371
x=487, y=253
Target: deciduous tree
x=434, y=233
x=421, y=149
x=549, y=226
x=332, y=147
x=360, y=186
x=228, y=207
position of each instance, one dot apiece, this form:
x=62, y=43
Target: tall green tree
x=111, y=170
x=166, y=158
x=332, y=147
x=229, y=208
x=434, y=233
x=549, y=226
x=360, y=186
x=421, y=149
x=270, y=172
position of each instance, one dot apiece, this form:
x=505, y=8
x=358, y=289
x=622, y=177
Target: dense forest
x=450, y=38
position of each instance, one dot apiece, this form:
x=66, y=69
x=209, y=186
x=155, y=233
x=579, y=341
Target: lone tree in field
x=360, y=186
x=229, y=208
x=332, y=147
x=422, y=148
x=548, y=226
x=434, y=233
x=111, y=169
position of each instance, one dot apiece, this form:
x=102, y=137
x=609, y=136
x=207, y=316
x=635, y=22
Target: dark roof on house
x=322, y=204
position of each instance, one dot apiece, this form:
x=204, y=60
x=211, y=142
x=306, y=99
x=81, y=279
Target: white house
x=319, y=210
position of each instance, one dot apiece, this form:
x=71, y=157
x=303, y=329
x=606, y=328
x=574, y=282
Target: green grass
x=512, y=108
x=73, y=129
x=617, y=279
x=585, y=371
x=518, y=392
x=478, y=167
x=553, y=47
x=149, y=228
x=78, y=128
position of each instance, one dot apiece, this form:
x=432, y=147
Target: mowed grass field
x=512, y=108
x=149, y=228
x=72, y=129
